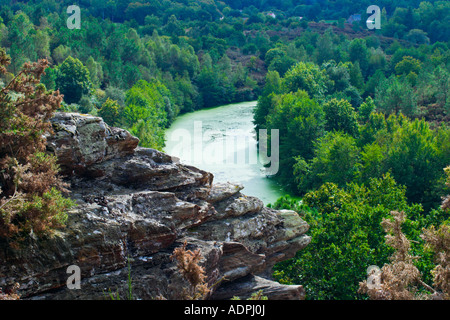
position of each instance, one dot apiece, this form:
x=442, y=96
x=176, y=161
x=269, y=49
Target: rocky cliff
x=134, y=206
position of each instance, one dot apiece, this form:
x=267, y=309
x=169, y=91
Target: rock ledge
x=134, y=207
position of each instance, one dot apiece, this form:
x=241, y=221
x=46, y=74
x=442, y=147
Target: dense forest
x=363, y=114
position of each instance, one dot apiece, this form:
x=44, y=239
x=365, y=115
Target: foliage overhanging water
x=226, y=147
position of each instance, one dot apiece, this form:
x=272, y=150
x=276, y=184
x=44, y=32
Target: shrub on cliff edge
x=31, y=201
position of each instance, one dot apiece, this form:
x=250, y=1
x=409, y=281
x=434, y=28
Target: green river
x=222, y=140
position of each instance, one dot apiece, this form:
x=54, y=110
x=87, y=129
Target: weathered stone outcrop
x=134, y=206
x=81, y=141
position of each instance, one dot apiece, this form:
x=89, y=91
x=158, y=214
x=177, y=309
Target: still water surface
x=222, y=140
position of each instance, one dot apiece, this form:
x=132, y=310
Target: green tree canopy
x=346, y=237
x=340, y=116
x=110, y=112
x=306, y=76
x=336, y=159
x=147, y=106
x=408, y=65
x=73, y=80
x=271, y=88
x=394, y=95
x=300, y=121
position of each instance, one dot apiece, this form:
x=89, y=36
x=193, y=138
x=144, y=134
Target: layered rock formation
x=134, y=206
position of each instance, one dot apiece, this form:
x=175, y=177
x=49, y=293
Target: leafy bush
x=340, y=116
x=73, y=79
x=31, y=201
x=110, y=112
x=346, y=237
x=336, y=160
x=308, y=77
